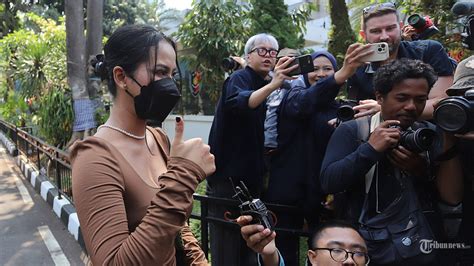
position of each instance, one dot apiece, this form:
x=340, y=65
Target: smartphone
x=380, y=52
x=305, y=65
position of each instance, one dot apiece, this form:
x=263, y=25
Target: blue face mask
x=156, y=100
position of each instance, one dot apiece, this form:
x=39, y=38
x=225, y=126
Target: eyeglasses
x=341, y=255
x=263, y=52
x=376, y=7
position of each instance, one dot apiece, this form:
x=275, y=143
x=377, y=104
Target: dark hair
x=396, y=71
x=330, y=224
x=377, y=10
x=128, y=47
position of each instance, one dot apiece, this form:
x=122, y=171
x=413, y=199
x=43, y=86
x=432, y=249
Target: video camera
x=253, y=207
x=418, y=140
x=424, y=27
x=466, y=9
x=455, y=114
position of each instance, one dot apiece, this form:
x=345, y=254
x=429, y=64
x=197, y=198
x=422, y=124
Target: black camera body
x=455, y=114
x=229, y=64
x=253, y=207
x=423, y=26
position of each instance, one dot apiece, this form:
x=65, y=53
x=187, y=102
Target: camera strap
x=364, y=127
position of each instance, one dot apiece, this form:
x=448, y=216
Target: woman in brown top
x=132, y=188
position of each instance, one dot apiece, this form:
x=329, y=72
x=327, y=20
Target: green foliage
x=341, y=34
x=272, y=16
x=56, y=117
x=153, y=12
x=9, y=20
x=33, y=61
x=14, y=109
x=214, y=30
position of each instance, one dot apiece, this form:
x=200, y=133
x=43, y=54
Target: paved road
x=30, y=232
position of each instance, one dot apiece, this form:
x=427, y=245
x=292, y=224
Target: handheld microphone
x=463, y=8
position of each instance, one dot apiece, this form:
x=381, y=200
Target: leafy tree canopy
x=272, y=16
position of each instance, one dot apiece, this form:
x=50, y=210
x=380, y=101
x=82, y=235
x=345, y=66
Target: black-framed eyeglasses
x=376, y=7
x=264, y=51
x=341, y=255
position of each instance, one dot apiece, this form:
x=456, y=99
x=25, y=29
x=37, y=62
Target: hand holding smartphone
x=305, y=65
x=380, y=52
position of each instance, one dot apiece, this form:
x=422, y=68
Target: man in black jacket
x=374, y=169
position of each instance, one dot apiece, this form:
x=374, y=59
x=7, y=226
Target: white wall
x=195, y=126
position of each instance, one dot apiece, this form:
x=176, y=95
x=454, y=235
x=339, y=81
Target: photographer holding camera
x=380, y=23
x=369, y=162
x=455, y=114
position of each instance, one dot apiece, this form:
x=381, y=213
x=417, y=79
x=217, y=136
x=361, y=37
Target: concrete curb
x=9, y=145
x=63, y=209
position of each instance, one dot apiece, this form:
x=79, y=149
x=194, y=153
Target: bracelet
x=448, y=154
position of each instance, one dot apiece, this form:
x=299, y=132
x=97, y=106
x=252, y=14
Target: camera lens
x=419, y=140
x=382, y=45
x=345, y=113
x=416, y=21
x=229, y=64
x=451, y=116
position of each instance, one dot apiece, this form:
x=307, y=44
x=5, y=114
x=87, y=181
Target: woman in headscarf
x=303, y=133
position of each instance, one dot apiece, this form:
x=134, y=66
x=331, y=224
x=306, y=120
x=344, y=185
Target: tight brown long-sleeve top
x=126, y=220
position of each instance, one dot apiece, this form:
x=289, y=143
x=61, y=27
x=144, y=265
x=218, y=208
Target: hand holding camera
x=408, y=161
x=385, y=136
x=253, y=207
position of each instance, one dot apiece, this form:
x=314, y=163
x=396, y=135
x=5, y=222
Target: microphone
x=463, y=8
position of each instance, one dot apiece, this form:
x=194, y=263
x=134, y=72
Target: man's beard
x=392, y=48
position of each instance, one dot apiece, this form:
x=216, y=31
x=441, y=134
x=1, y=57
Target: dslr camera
x=418, y=140
x=455, y=114
x=253, y=207
x=423, y=26
x=229, y=64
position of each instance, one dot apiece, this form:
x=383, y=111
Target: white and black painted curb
x=61, y=207
x=9, y=145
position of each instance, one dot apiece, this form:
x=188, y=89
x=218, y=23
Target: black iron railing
x=48, y=160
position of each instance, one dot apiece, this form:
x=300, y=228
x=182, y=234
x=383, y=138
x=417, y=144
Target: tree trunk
x=341, y=34
x=94, y=42
x=76, y=44
x=77, y=63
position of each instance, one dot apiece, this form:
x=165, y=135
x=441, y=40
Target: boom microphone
x=463, y=8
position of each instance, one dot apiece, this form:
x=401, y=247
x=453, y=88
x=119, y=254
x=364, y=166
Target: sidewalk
x=30, y=232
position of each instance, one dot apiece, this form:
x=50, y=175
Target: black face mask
x=156, y=100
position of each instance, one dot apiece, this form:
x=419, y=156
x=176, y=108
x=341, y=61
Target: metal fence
x=48, y=160
x=54, y=163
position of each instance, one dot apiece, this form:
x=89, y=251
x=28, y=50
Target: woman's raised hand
x=192, y=149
